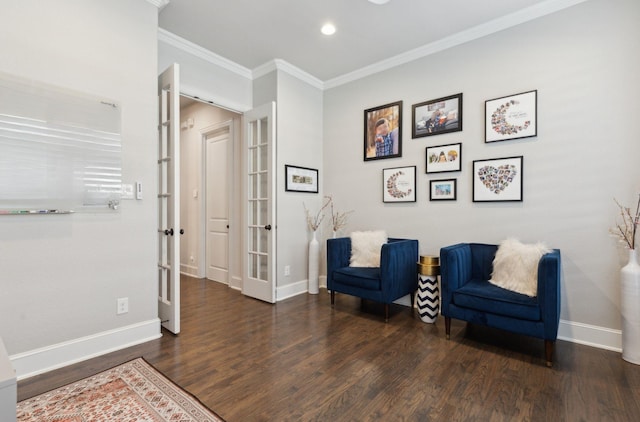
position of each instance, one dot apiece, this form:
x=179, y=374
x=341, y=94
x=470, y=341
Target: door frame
x=222, y=128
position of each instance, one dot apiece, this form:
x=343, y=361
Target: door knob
x=169, y=232
x=181, y=231
x=267, y=227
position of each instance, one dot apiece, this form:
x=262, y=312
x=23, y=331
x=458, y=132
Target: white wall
x=584, y=62
x=61, y=274
x=299, y=117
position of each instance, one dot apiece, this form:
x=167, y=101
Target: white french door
x=169, y=199
x=260, y=236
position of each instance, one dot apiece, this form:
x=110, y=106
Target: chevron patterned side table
x=428, y=297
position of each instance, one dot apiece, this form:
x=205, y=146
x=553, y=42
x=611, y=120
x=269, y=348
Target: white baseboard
x=189, y=270
x=590, y=335
x=291, y=290
x=56, y=356
x=235, y=283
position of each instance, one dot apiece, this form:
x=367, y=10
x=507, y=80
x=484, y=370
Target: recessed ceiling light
x=379, y=1
x=328, y=29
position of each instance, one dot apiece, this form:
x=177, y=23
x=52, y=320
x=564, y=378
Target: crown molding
x=202, y=53
x=160, y=4
x=279, y=64
x=534, y=12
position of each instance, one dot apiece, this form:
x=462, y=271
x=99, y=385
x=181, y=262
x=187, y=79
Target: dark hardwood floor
x=301, y=360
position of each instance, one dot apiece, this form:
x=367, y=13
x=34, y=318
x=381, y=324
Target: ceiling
x=252, y=33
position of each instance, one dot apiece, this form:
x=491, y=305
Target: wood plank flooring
x=301, y=360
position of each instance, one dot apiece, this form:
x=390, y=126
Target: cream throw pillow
x=365, y=248
x=515, y=266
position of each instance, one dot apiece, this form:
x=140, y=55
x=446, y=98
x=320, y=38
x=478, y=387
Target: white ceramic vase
x=314, y=258
x=630, y=290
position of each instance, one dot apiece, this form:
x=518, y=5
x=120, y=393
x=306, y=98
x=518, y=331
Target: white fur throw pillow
x=515, y=266
x=365, y=248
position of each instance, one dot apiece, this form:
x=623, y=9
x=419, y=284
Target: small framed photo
x=300, y=179
x=442, y=190
x=383, y=132
x=511, y=117
x=434, y=117
x=399, y=184
x=444, y=158
x=497, y=179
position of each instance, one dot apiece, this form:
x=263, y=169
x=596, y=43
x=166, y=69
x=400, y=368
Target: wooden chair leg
x=548, y=352
x=333, y=297
x=386, y=312
x=447, y=327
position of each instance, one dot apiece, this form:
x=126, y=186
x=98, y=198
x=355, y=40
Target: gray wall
x=584, y=62
x=61, y=274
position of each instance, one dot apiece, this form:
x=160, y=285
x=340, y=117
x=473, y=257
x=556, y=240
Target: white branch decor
x=313, y=222
x=626, y=230
x=338, y=219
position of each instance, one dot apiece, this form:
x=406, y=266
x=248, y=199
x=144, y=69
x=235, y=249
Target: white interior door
x=218, y=181
x=169, y=199
x=260, y=235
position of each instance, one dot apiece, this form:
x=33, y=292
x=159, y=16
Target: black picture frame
x=435, y=117
x=443, y=158
x=300, y=179
x=511, y=117
x=498, y=179
x=399, y=184
x=443, y=190
x=380, y=142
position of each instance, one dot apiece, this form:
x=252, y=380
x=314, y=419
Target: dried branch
x=626, y=230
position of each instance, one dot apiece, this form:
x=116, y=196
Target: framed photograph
x=399, y=184
x=443, y=158
x=511, y=117
x=434, y=117
x=442, y=190
x=300, y=179
x=383, y=132
x=497, y=179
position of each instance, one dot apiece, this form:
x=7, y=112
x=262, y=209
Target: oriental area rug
x=134, y=391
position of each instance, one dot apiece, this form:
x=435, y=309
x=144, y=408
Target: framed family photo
x=300, y=179
x=497, y=179
x=511, y=117
x=442, y=190
x=399, y=184
x=383, y=132
x=444, y=158
x=434, y=117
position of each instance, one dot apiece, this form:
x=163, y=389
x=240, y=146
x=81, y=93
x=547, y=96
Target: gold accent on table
x=429, y=265
x=429, y=260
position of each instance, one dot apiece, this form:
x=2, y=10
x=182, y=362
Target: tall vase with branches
x=629, y=284
x=313, y=223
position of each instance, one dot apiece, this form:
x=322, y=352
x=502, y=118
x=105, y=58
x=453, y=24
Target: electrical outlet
x=287, y=270
x=123, y=305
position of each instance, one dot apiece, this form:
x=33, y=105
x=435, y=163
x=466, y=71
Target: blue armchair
x=396, y=277
x=467, y=294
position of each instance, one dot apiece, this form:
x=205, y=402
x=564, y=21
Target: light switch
x=138, y=190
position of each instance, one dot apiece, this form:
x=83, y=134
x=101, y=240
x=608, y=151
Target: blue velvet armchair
x=396, y=277
x=467, y=294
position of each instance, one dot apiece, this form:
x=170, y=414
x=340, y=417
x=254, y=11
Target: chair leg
x=386, y=312
x=413, y=301
x=333, y=298
x=447, y=327
x=548, y=352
